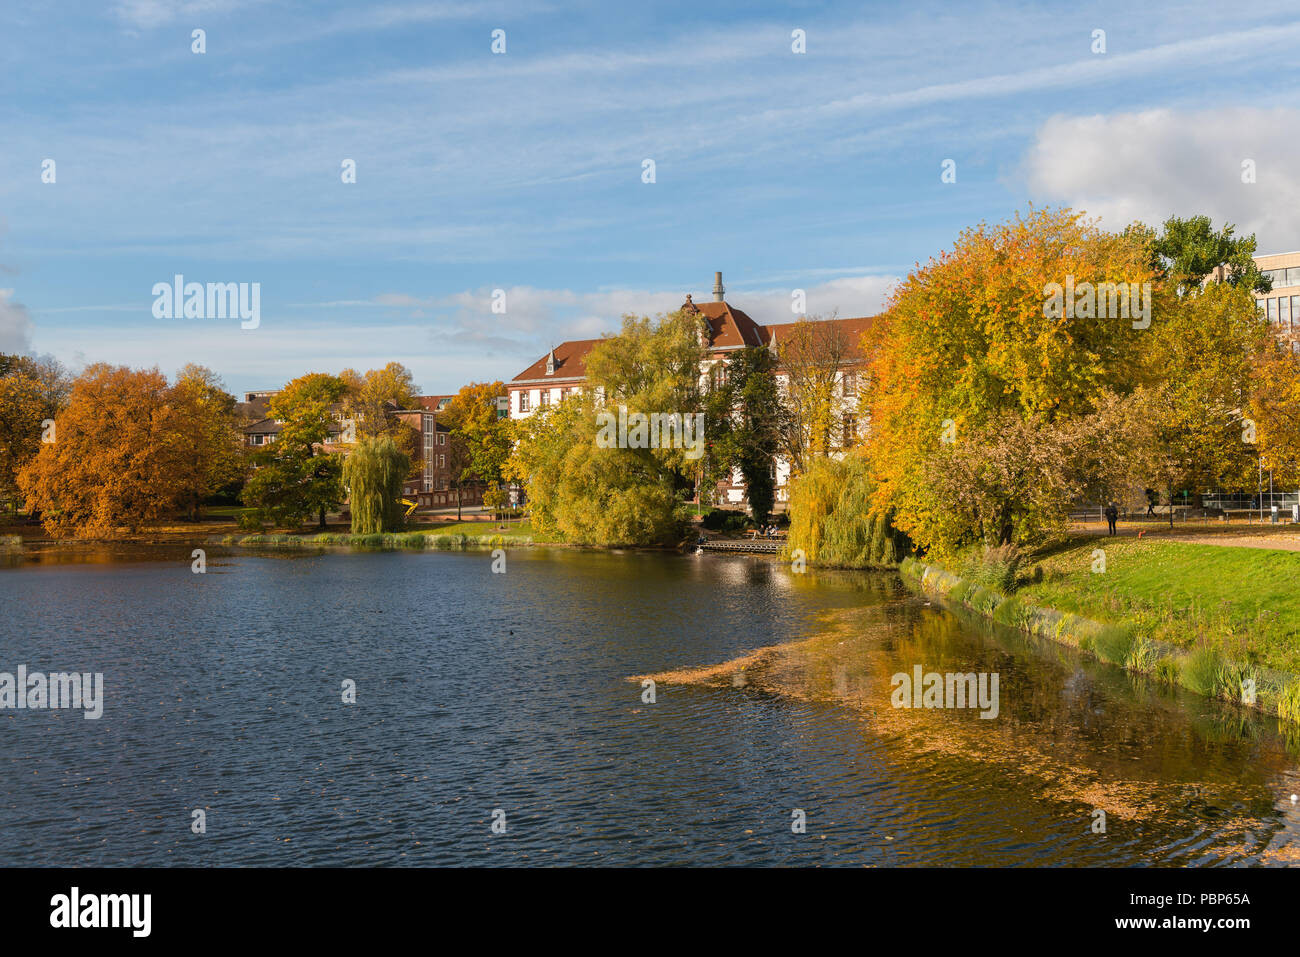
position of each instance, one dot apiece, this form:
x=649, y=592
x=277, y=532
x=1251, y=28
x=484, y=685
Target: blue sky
x=523, y=171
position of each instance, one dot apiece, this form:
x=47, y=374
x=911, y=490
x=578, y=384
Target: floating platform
x=758, y=545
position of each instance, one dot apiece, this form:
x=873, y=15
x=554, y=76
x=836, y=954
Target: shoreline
x=1277, y=692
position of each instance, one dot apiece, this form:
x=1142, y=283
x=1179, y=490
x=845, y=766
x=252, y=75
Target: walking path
x=1258, y=535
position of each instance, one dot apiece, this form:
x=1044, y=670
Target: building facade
x=724, y=330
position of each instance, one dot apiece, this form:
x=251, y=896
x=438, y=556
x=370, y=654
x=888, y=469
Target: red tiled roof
x=430, y=402
x=730, y=328
x=570, y=362
x=853, y=329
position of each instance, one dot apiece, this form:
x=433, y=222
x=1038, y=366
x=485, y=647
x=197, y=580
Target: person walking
x=1112, y=515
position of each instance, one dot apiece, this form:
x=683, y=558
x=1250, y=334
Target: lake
x=507, y=698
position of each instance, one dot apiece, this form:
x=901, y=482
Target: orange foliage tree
x=128, y=448
x=968, y=344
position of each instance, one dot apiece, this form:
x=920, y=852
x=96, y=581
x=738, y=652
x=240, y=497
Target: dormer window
x=550, y=363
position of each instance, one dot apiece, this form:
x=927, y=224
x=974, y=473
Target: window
x=428, y=442
x=442, y=438
x=442, y=461
x=850, y=382
x=850, y=430
x=1284, y=311
x=546, y=398
x=523, y=401
x=1293, y=276
x=1295, y=311
x=1272, y=311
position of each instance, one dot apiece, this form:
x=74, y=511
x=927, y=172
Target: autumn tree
x=128, y=449
x=1274, y=412
x=1202, y=358
x=293, y=476
x=368, y=400
x=814, y=355
x=33, y=391
x=208, y=450
x=480, y=439
x=969, y=351
x=370, y=397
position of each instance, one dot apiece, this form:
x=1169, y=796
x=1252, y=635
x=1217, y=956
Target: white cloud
x=15, y=325
x=445, y=340
x=1155, y=164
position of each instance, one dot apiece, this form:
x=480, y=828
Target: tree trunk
x=458, y=503
x=322, y=519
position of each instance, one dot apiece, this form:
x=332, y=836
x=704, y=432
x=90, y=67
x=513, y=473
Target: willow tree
x=830, y=521
x=374, y=473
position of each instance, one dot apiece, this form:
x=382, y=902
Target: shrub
x=1142, y=655
x=1167, y=670
x=250, y=520
x=1288, y=702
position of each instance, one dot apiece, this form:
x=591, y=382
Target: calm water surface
x=478, y=691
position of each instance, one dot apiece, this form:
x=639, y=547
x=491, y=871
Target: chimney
x=717, y=287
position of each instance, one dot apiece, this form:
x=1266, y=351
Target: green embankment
x=1208, y=617
x=455, y=536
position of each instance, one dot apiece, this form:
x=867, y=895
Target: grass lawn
x=1242, y=601
x=513, y=529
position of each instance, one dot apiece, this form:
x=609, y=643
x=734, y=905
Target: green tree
x=829, y=524
x=373, y=474
x=752, y=440
x=1189, y=250
x=368, y=401
x=294, y=477
x=587, y=491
